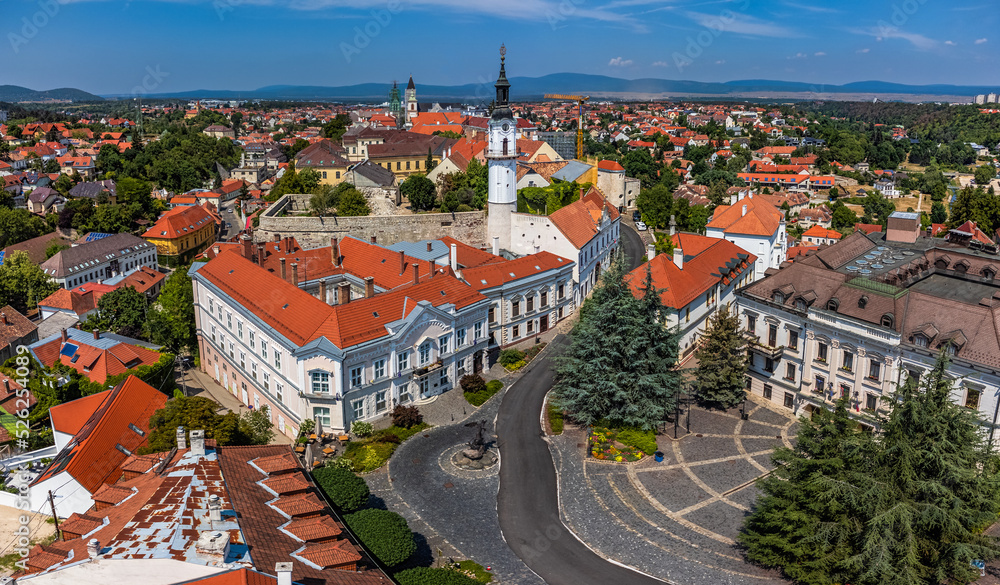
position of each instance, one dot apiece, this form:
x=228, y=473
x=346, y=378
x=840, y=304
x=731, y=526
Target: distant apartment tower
x=563, y=143
x=991, y=98
x=3, y=115
x=981, y=99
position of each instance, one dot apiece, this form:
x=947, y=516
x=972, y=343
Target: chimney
x=322, y=290
x=402, y=263
x=581, y=192
x=216, y=249
x=295, y=273
x=277, y=238
x=65, y=336
x=650, y=251
x=345, y=293
x=6, y=386
x=93, y=548
x=3, y=318
x=537, y=248
x=335, y=251
x=454, y=258
x=260, y=255
x=744, y=209
x=679, y=258
x=181, y=439
x=673, y=226
x=97, y=334
x=429, y=246
x=198, y=442
x=214, y=508
x=416, y=273
x=496, y=245
x=431, y=268
x=374, y=240
x=284, y=573
x=247, y=247
x=369, y=287
x=283, y=277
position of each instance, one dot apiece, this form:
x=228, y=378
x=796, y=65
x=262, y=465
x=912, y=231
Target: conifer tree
x=620, y=366
x=722, y=362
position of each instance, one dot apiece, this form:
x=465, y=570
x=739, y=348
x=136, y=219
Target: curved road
x=528, y=502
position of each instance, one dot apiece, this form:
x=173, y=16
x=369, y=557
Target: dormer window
x=863, y=302
x=778, y=298
x=800, y=304
x=920, y=340
x=887, y=321
x=949, y=348
x=833, y=305
x=988, y=273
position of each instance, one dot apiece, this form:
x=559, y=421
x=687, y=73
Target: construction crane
x=579, y=99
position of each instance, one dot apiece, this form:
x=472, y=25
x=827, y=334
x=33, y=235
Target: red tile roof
x=93, y=362
x=92, y=458
x=315, y=529
x=497, y=274
x=761, y=218
x=707, y=262
x=580, y=221
x=817, y=231
x=469, y=256
x=179, y=222
x=609, y=165
x=329, y=555
x=69, y=417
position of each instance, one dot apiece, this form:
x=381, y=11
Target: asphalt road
x=527, y=503
x=634, y=248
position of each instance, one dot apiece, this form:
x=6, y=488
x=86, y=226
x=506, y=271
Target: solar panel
x=68, y=349
x=94, y=236
x=1, y=256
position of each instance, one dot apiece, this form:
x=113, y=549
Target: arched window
x=505, y=146
x=833, y=305
x=888, y=320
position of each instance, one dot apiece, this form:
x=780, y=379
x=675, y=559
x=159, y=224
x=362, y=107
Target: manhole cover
x=698, y=435
x=777, y=436
x=426, y=435
x=449, y=485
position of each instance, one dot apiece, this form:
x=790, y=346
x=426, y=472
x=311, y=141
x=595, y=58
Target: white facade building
x=754, y=225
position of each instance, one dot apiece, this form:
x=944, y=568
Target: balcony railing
x=773, y=352
x=426, y=370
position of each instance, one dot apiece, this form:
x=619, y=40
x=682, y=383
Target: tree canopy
x=198, y=412
x=22, y=283
x=170, y=320
x=722, y=362
x=420, y=191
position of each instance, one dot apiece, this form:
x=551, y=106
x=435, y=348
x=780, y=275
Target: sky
x=160, y=46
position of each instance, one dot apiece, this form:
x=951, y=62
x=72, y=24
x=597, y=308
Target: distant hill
x=597, y=85
x=16, y=93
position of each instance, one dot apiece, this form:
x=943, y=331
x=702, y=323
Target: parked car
x=640, y=226
x=636, y=216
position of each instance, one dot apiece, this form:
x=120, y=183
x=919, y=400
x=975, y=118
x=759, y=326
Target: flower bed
x=602, y=446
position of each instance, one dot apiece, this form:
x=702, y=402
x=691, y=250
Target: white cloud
x=819, y=54
x=741, y=24
x=950, y=43
x=720, y=62
x=798, y=56
x=885, y=32
x=865, y=50
x=980, y=41
x=620, y=62
x=661, y=64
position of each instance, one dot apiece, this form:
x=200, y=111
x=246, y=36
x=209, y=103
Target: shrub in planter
x=384, y=533
x=362, y=429
x=645, y=441
x=509, y=357
x=429, y=576
x=406, y=416
x=494, y=386
x=346, y=490
x=389, y=438
x=472, y=383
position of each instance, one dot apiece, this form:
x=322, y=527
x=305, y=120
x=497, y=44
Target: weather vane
x=503, y=51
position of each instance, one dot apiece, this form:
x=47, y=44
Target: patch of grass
x=371, y=453
x=555, y=418
x=475, y=570
x=479, y=398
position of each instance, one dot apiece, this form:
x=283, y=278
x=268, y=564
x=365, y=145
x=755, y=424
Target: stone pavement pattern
x=677, y=520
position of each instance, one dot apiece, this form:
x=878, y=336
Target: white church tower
x=502, y=157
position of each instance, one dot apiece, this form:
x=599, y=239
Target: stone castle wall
x=468, y=227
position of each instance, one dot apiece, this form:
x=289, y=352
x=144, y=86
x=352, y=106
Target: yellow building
x=327, y=159
x=404, y=158
x=181, y=233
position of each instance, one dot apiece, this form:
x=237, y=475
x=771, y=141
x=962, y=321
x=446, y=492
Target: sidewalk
x=198, y=383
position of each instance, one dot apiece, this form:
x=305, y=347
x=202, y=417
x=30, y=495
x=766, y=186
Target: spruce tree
x=935, y=491
x=620, y=366
x=796, y=525
x=722, y=362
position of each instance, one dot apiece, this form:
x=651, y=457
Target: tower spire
x=502, y=85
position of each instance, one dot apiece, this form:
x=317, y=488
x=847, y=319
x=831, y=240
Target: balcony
x=773, y=352
x=426, y=370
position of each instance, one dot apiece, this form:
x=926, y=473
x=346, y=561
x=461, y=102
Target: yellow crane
x=579, y=99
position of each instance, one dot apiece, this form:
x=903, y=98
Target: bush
x=494, y=386
x=369, y=456
x=389, y=438
x=478, y=398
x=472, y=383
x=406, y=416
x=384, y=533
x=509, y=357
x=362, y=429
x=532, y=351
x=344, y=489
x=555, y=418
x=644, y=441
x=429, y=576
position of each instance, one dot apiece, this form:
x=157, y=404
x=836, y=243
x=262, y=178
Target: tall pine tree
x=620, y=366
x=722, y=362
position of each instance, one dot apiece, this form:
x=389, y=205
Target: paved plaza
x=678, y=519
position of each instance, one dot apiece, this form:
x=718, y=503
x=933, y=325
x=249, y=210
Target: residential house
x=754, y=225
x=99, y=259
x=98, y=356
x=820, y=236
x=181, y=233
x=326, y=158
x=15, y=330
x=219, y=131
x=700, y=277
x=44, y=200
x=819, y=215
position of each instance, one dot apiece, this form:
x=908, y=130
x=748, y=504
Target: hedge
x=384, y=533
x=429, y=576
x=346, y=490
x=478, y=398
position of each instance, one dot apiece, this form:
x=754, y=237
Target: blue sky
x=113, y=46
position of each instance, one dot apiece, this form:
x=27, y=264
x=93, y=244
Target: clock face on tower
x=505, y=127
